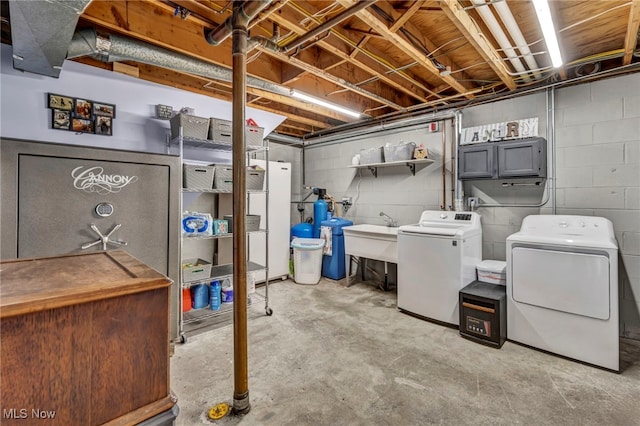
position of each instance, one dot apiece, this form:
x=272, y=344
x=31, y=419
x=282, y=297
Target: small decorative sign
x=516, y=129
x=81, y=115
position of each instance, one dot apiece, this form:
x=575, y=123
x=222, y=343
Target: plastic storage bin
x=371, y=155
x=198, y=177
x=253, y=135
x=252, y=222
x=255, y=179
x=307, y=260
x=223, y=179
x=195, y=269
x=492, y=272
x=192, y=126
x=220, y=130
x=333, y=266
x=399, y=152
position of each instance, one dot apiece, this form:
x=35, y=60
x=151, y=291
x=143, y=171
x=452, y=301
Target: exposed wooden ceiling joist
x=380, y=27
x=631, y=37
x=461, y=19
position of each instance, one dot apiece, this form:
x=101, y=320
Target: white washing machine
x=562, y=287
x=437, y=257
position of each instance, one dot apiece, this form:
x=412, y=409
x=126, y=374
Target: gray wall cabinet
x=511, y=159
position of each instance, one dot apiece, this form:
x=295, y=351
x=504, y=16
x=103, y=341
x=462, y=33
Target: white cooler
x=492, y=272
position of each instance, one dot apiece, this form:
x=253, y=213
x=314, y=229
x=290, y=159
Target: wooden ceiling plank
x=367, y=34
x=380, y=27
x=329, y=77
x=358, y=48
x=405, y=17
x=349, y=57
x=463, y=21
x=426, y=42
x=631, y=38
x=335, y=65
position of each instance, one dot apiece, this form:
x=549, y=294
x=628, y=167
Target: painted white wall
x=24, y=113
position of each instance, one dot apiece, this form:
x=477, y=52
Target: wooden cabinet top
x=32, y=285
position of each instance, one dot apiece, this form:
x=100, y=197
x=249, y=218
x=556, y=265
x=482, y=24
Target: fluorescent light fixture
x=334, y=107
x=548, y=30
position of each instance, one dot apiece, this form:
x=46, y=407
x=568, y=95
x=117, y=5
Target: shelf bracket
x=374, y=171
x=412, y=167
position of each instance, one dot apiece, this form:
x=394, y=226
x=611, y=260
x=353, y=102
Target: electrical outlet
x=472, y=202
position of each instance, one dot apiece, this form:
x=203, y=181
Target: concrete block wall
x=500, y=222
x=597, y=156
x=395, y=191
x=598, y=171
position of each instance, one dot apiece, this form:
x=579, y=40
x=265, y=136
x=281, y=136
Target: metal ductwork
x=41, y=32
x=248, y=10
x=116, y=48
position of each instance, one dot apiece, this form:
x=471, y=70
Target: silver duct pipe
x=285, y=139
x=248, y=10
x=41, y=32
x=116, y=48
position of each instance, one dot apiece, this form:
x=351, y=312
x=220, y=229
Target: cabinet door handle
x=478, y=307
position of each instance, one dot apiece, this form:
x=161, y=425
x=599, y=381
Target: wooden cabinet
x=502, y=160
x=85, y=338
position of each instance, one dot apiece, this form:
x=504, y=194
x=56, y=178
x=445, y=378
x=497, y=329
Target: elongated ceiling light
x=548, y=30
x=334, y=107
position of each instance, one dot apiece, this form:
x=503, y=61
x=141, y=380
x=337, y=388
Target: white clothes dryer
x=562, y=287
x=437, y=257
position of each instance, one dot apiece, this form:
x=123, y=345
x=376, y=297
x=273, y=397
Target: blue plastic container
x=319, y=214
x=302, y=230
x=333, y=266
x=214, y=295
x=199, y=296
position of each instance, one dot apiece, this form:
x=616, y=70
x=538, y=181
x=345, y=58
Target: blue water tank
x=319, y=214
x=302, y=230
x=333, y=266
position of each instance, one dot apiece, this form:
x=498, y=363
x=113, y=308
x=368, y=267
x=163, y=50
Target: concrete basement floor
x=332, y=355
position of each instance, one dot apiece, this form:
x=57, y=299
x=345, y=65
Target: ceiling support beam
x=381, y=28
x=631, y=38
x=456, y=13
x=349, y=58
x=329, y=77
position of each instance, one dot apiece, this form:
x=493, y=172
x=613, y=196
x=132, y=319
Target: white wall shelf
x=411, y=164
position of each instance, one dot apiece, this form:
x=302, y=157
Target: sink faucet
x=389, y=220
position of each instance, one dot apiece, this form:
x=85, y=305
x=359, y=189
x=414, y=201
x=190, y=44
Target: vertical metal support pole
x=551, y=141
x=241, y=403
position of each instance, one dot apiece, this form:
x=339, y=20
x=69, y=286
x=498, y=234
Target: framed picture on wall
x=103, y=125
x=59, y=102
x=82, y=109
x=82, y=125
x=60, y=119
x=106, y=110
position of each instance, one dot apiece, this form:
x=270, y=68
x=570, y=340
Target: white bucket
x=307, y=260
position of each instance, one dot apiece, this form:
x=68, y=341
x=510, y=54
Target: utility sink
x=371, y=242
